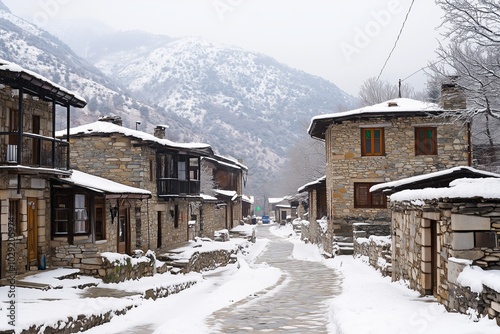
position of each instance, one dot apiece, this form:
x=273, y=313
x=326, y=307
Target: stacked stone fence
x=377, y=250
x=463, y=300
x=314, y=232
x=364, y=230
x=209, y=260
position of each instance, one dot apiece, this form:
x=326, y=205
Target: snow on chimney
x=452, y=95
x=112, y=119
x=160, y=131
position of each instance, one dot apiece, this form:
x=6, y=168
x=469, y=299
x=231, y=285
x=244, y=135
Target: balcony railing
x=36, y=151
x=175, y=187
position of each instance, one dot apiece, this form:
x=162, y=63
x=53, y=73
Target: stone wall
x=462, y=299
x=202, y=261
x=315, y=232
x=452, y=229
x=128, y=268
x=346, y=165
x=116, y=157
x=32, y=188
x=213, y=219
x=377, y=250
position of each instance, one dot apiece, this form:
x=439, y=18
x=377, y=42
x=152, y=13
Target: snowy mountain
x=244, y=104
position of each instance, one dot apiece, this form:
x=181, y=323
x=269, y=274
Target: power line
x=397, y=39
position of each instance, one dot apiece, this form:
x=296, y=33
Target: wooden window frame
x=364, y=199
x=100, y=219
x=420, y=143
x=372, y=142
x=15, y=216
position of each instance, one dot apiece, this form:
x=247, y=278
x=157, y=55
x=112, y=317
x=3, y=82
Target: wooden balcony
x=35, y=151
x=170, y=187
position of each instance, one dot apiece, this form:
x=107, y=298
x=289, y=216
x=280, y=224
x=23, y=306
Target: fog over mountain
x=246, y=105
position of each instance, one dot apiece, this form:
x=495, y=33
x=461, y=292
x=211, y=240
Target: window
x=425, y=141
x=485, y=239
x=176, y=217
x=100, y=219
x=151, y=170
x=363, y=198
x=81, y=217
x=61, y=214
x=65, y=203
x=372, y=141
x=14, y=218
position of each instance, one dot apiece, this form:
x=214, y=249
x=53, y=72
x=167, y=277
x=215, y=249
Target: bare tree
x=472, y=29
x=207, y=183
x=305, y=163
x=375, y=91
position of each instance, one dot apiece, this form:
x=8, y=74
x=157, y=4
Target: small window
x=81, y=216
x=176, y=217
x=425, y=141
x=372, y=142
x=14, y=218
x=151, y=171
x=363, y=198
x=485, y=239
x=100, y=220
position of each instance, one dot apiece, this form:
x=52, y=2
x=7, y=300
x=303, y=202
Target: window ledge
x=100, y=242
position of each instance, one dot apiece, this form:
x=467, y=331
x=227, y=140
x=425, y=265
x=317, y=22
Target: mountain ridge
x=246, y=105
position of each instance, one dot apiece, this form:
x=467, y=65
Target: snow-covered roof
x=247, y=199
x=274, y=200
x=206, y=197
x=105, y=186
x=448, y=175
x=17, y=77
x=487, y=188
x=309, y=185
x=107, y=127
x=395, y=107
x=226, y=161
x=228, y=193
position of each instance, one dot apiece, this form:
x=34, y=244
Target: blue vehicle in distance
x=265, y=220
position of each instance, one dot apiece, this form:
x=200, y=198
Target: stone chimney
x=160, y=131
x=452, y=95
x=112, y=119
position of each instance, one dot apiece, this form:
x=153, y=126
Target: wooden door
x=32, y=231
x=123, y=231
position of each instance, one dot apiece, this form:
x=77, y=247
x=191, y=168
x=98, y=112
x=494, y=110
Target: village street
x=298, y=303
x=283, y=285
x=279, y=293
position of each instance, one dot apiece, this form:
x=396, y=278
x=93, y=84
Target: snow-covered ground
x=369, y=303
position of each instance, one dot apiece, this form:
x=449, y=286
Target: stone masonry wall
x=346, y=165
x=115, y=157
x=458, y=226
x=462, y=299
x=377, y=249
x=213, y=220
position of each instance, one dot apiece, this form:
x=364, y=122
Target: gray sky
x=345, y=42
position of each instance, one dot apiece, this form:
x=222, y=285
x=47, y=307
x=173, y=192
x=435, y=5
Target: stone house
x=30, y=156
x=169, y=170
x=36, y=219
x=229, y=178
x=317, y=209
x=172, y=172
x=281, y=209
x=375, y=144
x=440, y=230
x=247, y=204
x=101, y=208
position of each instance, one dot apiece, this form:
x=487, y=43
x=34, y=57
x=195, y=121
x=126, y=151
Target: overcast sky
x=344, y=41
